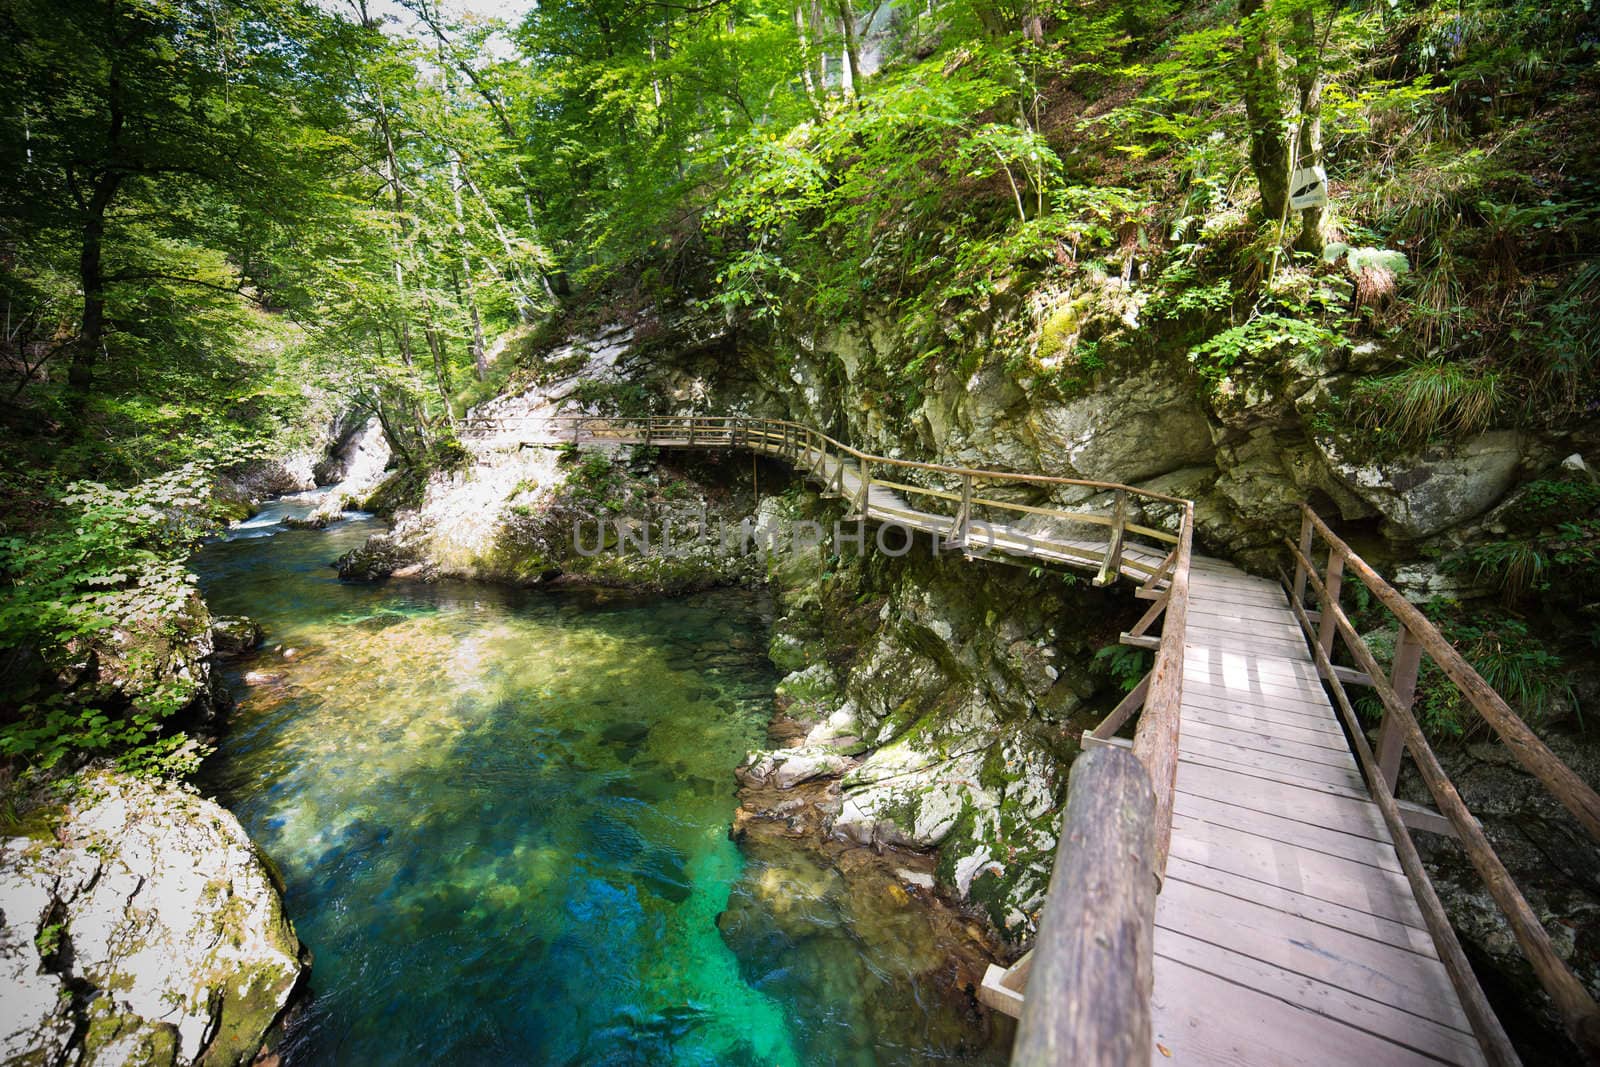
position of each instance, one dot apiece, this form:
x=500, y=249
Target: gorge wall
x=934, y=703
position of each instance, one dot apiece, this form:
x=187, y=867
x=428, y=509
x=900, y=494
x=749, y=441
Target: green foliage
x=1518, y=665
x=1125, y=664
x=1554, y=550
x=1269, y=336
x=598, y=482
x=103, y=591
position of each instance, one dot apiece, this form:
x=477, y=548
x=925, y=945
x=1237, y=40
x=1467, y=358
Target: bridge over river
x=1237, y=881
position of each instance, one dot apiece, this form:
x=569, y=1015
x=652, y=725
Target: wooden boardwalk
x=1295, y=923
x=1286, y=931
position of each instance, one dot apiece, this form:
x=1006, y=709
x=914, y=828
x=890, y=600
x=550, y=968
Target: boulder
x=378, y=558
x=788, y=767
x=148, y=932
x=234, y=634
x=1425, y=493
x=1128, y=431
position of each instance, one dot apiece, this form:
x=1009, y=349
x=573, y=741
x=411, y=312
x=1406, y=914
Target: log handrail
x=1534, y=755
x=1400, y=733
x=1095, y=950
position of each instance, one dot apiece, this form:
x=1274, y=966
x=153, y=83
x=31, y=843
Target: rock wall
x=939, y=700
x=146, y=929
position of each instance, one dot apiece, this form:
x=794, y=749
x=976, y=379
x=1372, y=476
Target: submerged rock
x=149, y=932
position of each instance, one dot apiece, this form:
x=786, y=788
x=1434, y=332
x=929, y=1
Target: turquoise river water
x=503, y=822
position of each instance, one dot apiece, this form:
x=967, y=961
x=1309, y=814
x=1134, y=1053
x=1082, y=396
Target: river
x=502, y=818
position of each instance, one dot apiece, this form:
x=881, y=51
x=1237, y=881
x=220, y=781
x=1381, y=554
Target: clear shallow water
x=503, y=823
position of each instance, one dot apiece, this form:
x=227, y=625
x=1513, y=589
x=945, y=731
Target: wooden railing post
x=1093, y=963
x=1403, y=679
x=1306, y=534
x=957, y=535
x=1335, y=578
x=863, y=496
x=1111, y=567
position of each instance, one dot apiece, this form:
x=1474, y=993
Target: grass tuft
x=1429, y=400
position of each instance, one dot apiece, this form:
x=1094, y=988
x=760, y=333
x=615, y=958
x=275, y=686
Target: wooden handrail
x=1094, y=959
x=1534, y=755
x=1155, y=742
x=1578, y=1009
x=660, y=422
x=1485, y=1024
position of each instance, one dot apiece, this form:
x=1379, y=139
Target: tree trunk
x=1263, y=105
x=852, y=49
x=806, y=80
x=1308, y=79
x=92, y=277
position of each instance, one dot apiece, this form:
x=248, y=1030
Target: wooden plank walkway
x=1286, y=932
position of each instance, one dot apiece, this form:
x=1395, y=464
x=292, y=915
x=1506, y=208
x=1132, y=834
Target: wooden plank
x=1217, y=616
x=1308, y=706
x=1260, y=779
x=1259, y=719
x=1314, y=909
x=1398, y=1020
x=1236, y=582
x=1289, y=831
x=1320, y=807
x=1274, y=763
x=1234, y=682
x=1259, y=740
x=1317, y=874
x=993, y=993
x=1221, y=597
x=1250, y=643
x=1257, y=666
x=1201, y=1019
x=1304, y=776
x=1270, y=622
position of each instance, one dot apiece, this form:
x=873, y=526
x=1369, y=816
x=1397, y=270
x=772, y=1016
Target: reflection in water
x=503, y=821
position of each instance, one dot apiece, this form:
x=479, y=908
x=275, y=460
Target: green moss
x=106, y=1040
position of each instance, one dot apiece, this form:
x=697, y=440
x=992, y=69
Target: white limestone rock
x=156, y=901
x=1424, y=494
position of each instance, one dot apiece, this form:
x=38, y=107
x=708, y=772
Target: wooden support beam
x=1133, y=640
x=1418, y=817
x=1130, y=703
x=1149, y=617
